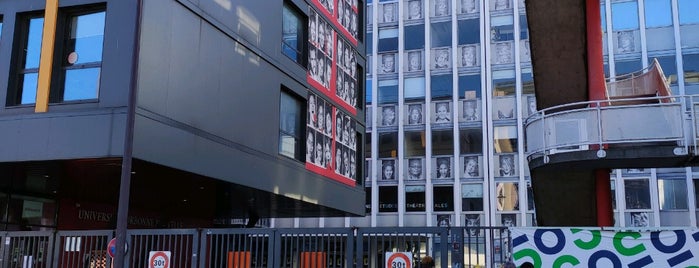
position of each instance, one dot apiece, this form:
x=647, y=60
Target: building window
x=672, y=194
x=687, y=10
x=293, y=35
x=415, y=198
x=658, y=13
x=637, y=194
x=28, y=70
x=290, y=126
x=82, y=56
x=78, y=57
x=388, y=199
x=625, y=16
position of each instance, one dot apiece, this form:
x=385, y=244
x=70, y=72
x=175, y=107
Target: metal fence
x=455, y=247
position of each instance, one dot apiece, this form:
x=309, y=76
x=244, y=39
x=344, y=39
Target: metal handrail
x=685, y=135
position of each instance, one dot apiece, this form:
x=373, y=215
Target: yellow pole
x=48, y=41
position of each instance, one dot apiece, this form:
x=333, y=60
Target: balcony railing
x=661, y=120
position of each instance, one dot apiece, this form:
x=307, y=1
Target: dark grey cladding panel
x=62, y=136
x=179, y=146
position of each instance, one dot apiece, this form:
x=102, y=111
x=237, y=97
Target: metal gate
x=454, y=247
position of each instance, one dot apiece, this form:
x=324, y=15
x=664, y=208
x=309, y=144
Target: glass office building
x=449, y=87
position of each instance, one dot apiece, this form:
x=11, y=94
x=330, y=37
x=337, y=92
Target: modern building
x=215, y=102
x=449, y=87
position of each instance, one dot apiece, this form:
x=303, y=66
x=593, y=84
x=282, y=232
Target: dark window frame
x=301, y=38
x=60, y=67
x=19, y=58
x=299, y=136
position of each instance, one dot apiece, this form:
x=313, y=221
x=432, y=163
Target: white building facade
x=449, y=86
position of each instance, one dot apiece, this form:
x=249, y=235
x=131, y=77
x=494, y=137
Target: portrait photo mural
x=347, y=17
x=332, y=62
x=414, y=168
x=331, y=140
x=442, y=167
x=414, y=113
x=346, y=82
x=414, y=10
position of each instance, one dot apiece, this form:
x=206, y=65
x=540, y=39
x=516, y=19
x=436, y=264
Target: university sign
x=571, y=247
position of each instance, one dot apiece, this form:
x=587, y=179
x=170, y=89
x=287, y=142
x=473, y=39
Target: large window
x=625, y=16
x=672, y=194
x=658, y=13
x=28, y=70
x=293, y=34
x=688, y=11
x=637, y=194
x=290, y=126
x=79, y=42
x=82, y=57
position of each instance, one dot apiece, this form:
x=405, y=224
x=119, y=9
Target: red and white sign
x=399, y=259
x=159, y=259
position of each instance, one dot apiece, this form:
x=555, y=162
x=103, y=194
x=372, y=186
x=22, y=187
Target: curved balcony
x=658, y=134
x=639, y=125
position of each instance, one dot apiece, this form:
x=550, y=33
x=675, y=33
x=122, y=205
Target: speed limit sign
x=159, y=259
x=399, y=259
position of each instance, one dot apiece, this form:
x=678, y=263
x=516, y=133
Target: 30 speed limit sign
x=159, y=259
x=399, y=259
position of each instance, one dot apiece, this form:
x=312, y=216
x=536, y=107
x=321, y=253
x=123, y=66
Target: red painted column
x=596, y=90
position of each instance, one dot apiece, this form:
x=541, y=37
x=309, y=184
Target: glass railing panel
x=573, y=128
x=535, y=136
x=642, y=123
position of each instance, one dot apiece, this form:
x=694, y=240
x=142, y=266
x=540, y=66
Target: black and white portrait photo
x=388, y=116
x=470, y=110
x=443, y=167
x=504, y=108
x=441, y=58
x=443, y=220
x=414, y=169
x=388, y=169
x=338, y=158
x=414, y=62
x=502, y=4
x=414, y=9
x=442, y=112
x=441, y=8
x=338, y=125
x=388, y=63
x=312, y=117
x=472, y=222
x=468, y=6
x=503, y=52
x=319, y=157
x=508, y=220
x=389, y=12
x=625, y=42
x=471, y=167
x=310, y=145
x=525, y=51
x=506, y=165
x=327, y=151
x=414, y=114
x=468, y=56
x=639, y=219
x=531, y=105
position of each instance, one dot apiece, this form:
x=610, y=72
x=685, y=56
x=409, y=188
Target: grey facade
x=208, y=78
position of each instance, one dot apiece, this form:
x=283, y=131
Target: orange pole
x=596, y=90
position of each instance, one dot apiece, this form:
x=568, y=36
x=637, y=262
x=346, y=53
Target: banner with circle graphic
x=573, y=247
